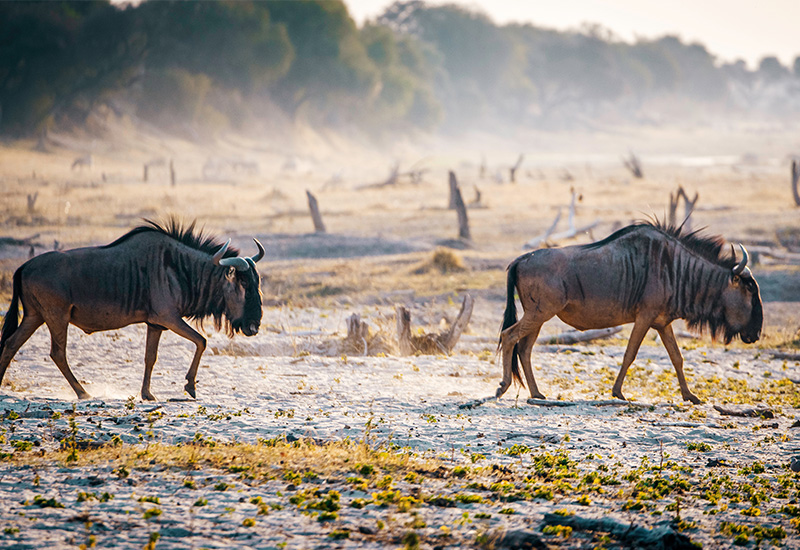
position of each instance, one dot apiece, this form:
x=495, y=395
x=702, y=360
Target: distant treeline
x=218, y=65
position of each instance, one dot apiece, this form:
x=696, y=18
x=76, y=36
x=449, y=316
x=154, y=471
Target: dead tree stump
x=357, y=333
x=632, y=163
x=32, y=202
x=316, y=217
x=431, y=344
x=453, y=190
x=795, y=178
x=461, y=210
x=512, y=172
x=688, y=208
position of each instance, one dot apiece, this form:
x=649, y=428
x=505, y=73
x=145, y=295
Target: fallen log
x=599, y=403
x=658, y=538
x=575, y=336
x=750, y=412
x=476, y=402
x=786, y=356
x=549, y=237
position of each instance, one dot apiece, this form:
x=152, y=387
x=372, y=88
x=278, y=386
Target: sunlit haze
x=730, y=29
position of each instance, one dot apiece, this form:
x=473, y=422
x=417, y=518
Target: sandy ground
x=271, y=386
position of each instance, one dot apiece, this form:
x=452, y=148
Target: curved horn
x=260, y=251
x=220, y=253
x=239, y=263
x=741, y=265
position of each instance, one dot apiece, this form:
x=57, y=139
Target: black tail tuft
x=11, y=321
x=510, y=317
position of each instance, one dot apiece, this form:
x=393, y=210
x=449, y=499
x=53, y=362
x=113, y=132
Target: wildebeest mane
x=188, y=235
x=708, y=247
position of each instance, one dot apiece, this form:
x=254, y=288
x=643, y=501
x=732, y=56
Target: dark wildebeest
x=647, y=274
x=152, y=274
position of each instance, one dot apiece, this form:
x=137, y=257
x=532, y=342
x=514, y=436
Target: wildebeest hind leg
x=24, y=331
x=508, y=339
x=668, y=338
x=179, y=327
x=58, y=353
x=525, y=348
x=640, y=328
x=150, y=355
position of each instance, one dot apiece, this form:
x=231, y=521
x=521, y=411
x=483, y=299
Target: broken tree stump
x=32, y=202
x=461, y=209
x=357, y=333
x=795, y=178
x=431, y=344
x=688, y=208
x=632, y=163
x=453, y=182
x=512, y=172
x=316, y=217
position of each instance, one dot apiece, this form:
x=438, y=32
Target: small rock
x=716, y=462
x=363, y=529
x=522, y=540
x=291, y=438
x=794, y=464
x=291, y=487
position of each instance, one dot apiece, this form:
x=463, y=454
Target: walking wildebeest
x=647, y=274
x=152, y=274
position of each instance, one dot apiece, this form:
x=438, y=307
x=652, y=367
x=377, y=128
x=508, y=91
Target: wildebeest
x=647, y=274
x=153, y=274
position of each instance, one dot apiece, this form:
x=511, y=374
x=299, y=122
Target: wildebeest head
x=741, y=302
x=242, y=290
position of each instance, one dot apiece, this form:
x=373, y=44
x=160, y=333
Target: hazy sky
x=730, y=29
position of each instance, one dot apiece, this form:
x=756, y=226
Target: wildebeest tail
x=11, y=321
x=510, y=317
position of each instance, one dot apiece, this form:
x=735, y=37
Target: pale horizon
x=730, y=30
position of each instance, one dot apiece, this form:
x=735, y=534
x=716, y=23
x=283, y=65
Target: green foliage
x=212, y=65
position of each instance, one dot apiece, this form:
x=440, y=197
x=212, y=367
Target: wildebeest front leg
x=58, y=353
x=150, y=355
x=668, y=337
x=179, y=327
x=24, y=331
x=640, y=328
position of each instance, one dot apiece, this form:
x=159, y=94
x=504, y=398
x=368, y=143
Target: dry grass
x=263, y=459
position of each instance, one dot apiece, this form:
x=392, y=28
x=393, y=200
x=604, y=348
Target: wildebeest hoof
x=84, y=395
x=189, y=388
x=618, y=395
x=500, y=391
x=148, y=396
x=693, y=398
x=537, y=395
